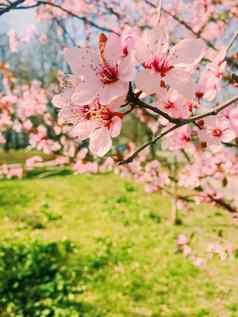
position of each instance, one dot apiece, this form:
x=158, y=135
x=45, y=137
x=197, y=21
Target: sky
x=17, y=20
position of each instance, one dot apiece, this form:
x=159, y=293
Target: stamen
x=217, y=132
x=109, y=74
x=159, y=65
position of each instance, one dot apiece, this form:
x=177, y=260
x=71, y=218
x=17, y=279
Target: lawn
x=127, y=235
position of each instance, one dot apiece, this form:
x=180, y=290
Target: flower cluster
x=125, y=71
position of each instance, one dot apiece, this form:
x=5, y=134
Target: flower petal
x=100, y=141
x=181, y=81
x=81, y=60
x=148, y=82
x=113, y=49
x=86, y=91
x=108, y=92
x=187, y=52
x=126, y=69
x=115, y=127
x=83, y=130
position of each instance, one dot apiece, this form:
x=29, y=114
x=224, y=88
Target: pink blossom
x=211, y=77
x=187, y=251
x=233, y=116
x=167, y=68
x=89, y=167
x=104, y=74
x=199, y=262
x=107, y=165
x=100, y=123
x=216, y=248
x=11, y=171
x=214, y=131
x=31, y=162
x=182, y=240
x=13, y=41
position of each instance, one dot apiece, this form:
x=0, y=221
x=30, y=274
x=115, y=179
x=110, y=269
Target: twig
x=134, y=155
x=214, y=111
x=15, y=6
x=222, y=203
x=11, y=6
x=185, y=24
x=133, y=99
x=232, y=42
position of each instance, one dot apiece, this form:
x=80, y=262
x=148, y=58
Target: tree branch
x=212, y=112
x=230, y=60
x=11, y=6
x=222, y=203
x=185, y=24
x=82, y=18
x=16, y=6
x=134, y=100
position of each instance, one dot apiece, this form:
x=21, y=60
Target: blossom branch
x=235, y=37
x=82, y=18
x=222, y=203
x=185, y=24
x=213, y=112
x=198, y=34
x=190, y=198
x=11, y=6
x=16, y=6
x=136, y=101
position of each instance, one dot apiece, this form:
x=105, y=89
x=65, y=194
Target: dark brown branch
x=144, y=146
x=212, y=112
x=82, y=18
x=133, y=99
x=16, y=6
x=222, y=203
x=11, y=6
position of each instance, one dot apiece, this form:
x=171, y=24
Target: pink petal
x=153, y=42
x=234, y=119
x=143, y=49
x=117, y=103
x=108, y=92
x=62, y=100
x=81, y=60
x=148, y=82
x=187, y=52
x=83, y=130
x=100, y=141
x=86, y=91
x=228, y=135
x=181, y=81
x=115, y=128
x=58, y=101
x=126, y=69
x=113, y=49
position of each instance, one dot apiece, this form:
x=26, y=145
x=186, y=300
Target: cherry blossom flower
x=100, y=123
x=82, y=168
x=211, y=77
x=213, y=131
x=164, y=67
x=182, y=240
x=199, y=262
x=31, y=162
x=105, y=74
x=233, y=116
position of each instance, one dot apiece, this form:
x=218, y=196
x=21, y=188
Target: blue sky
x=17, y=20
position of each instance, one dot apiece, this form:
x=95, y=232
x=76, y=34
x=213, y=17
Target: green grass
x=13, y=156
x=128, y=244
